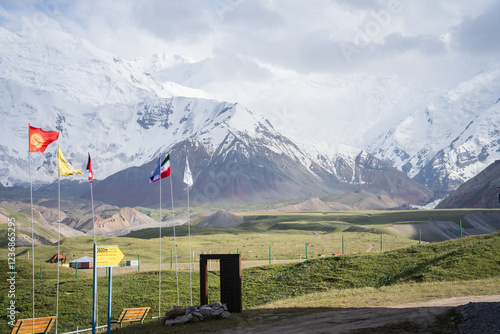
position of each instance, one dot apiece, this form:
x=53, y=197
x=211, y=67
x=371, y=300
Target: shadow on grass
x=182, y=231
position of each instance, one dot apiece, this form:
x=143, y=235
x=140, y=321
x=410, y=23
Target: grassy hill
x=23, y=220
x=462, y=260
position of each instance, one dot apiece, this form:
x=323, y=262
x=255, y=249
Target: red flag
x=39, y=139
x=89, y=168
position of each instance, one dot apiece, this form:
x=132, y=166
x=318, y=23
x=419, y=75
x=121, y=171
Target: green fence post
x=237, y=251
x=307, y=257
x=343, y=248
x=171, y=258
x=76, y=271
x=419, y=236
x=381, y=242
x=41, y=265
x=460, y=228
x=269, y=254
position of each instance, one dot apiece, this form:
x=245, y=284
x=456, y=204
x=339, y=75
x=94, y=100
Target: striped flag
x=162, y=170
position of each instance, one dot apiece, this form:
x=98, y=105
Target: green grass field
x=286, y=233
x=473, y=262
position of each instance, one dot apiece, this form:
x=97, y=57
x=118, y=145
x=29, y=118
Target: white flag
x=188, y=178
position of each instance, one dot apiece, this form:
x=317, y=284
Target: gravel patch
x=480, y=318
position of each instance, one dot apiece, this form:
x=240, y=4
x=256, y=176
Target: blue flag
x=155, y=175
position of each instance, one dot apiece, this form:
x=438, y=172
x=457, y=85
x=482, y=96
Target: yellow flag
x=65, y=169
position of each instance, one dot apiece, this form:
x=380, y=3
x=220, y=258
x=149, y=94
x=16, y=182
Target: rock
x=191, y=309
x=217, y=312
x=194, y=319
x=179, y=315
x=180, y=320
x=206, y=310
x=197, y=315
x=169, y=323
x=174, y=312
x=215, y=305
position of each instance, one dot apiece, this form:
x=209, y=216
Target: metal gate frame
x=230, y=280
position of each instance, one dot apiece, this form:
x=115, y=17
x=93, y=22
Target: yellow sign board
x=108, y=256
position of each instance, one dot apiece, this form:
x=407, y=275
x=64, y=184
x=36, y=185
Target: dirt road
x=421, y=314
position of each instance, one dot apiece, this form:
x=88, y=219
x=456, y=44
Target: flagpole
x=32, y=230
x=95, y=320
x=92, y=204
x=188, y=180
x=159, y=266
x=189, y=241
x=39, y=144
x=175, y=242
x=65, y=169
x=58, y=236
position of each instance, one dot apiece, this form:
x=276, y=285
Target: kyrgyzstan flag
x=39, y=139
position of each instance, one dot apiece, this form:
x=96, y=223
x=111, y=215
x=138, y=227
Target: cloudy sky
x=291, y=58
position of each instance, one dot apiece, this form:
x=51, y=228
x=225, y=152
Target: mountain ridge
x=481, y=191
x=126, y=128
x=437, y=136
x=450, y=138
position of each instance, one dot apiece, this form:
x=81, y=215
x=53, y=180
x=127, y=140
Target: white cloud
x=479, y=35
x=305, y=37
x=284, y=57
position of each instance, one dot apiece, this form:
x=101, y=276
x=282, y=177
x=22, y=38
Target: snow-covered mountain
x=60, y=82
x=259, y=165
x=354, y=107
x=125, y=118
x=449, y=139
x=439, y=137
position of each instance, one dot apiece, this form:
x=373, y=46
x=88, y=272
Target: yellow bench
x=41, y=325
x=132, y=314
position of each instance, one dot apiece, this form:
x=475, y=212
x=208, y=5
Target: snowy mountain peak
x=449, y=139
x=65, y=65
x=158, y=62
